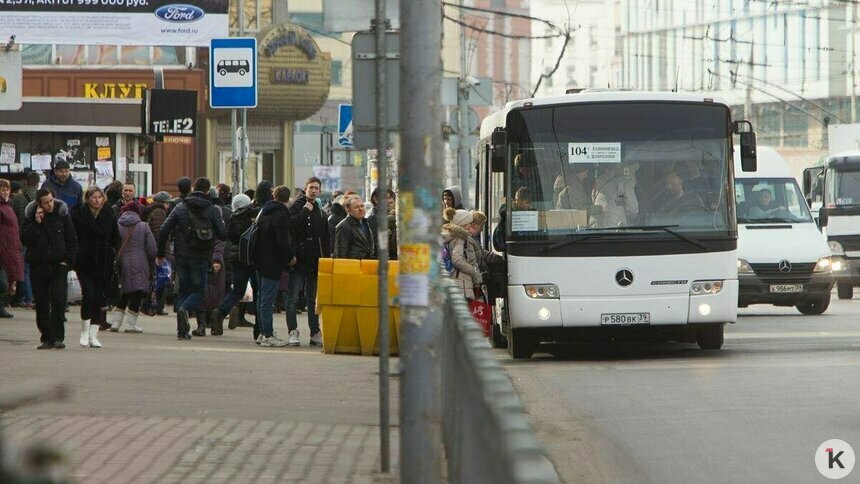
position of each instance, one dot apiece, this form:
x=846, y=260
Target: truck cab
x=833, y=184
x=783, y=258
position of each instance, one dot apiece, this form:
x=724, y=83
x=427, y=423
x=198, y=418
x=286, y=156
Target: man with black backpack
x=194, y=224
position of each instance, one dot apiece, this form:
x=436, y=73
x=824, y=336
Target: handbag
x=115, y=286
x=483, y=314
x=73, y=287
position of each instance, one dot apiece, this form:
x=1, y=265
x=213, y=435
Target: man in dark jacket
x=61, y=183
x=338, y=213
x=52, y=247
x=386, y=208
x=273, y=254
x=244, y=213
x=309, y=233
x=353, y=238
x=193, y=255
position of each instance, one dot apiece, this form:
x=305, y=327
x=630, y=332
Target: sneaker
x=59, y=345
x=259, y=340
x=316, y=339
x=273, y=341
x=294, y=338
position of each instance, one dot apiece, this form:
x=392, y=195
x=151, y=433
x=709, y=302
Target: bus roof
x=497, y=119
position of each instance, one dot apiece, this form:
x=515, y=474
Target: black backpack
x=201, y=234
x=247, y=242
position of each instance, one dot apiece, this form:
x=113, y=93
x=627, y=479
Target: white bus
x=614, y=211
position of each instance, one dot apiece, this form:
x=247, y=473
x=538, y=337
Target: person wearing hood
x=273, y=254
x=52, y=248
x=64, y=187
x=11, y=262
x=192, y=246
x=244, y=213
x=452, y=197
x=136, y=256
x=465, y=259
x=98, y=241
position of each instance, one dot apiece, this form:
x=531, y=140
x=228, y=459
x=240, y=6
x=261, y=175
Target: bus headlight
x=824, y=265
x=836, y=248
x=744, y=267
x=838, y=264
x=542, y=291
x=698, y=288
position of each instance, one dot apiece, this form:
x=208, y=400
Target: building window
x=310, y=20
x=336, y=73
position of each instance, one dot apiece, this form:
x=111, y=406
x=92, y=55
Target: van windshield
x=770, y=200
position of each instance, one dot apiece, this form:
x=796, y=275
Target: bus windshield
x=843, y=189
x=592, y=168
x=770, y=200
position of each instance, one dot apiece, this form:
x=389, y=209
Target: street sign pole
x=382, y=231
x=234, y=162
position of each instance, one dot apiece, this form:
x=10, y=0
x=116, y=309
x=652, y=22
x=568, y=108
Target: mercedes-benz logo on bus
x=784, y=266
x=624, y=278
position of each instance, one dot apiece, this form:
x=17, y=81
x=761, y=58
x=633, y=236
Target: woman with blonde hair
x=464, y=258
x=98, y=239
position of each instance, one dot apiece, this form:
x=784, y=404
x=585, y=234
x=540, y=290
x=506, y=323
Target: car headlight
x=838, y=264
x=744, y=267
x=824, y=265
x=836, y=248
x=698, y=288
x=542, y=291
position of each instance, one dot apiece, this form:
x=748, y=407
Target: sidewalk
x=149, y=408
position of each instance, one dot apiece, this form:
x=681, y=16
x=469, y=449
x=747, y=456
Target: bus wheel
x=710, y=337
x=520, y=344
x=814, y=308
x=846, y=291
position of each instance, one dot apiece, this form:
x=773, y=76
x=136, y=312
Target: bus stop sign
x=233, y=72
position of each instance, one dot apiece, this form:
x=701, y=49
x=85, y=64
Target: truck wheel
x=520, y=344
x=710, y=337
x=846, y=291
x=814, y=308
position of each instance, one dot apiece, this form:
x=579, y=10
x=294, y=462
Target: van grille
x=771, y=272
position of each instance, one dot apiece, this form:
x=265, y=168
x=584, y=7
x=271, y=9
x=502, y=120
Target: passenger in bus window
x=615, y=194
x=576, y=195
x=680, y=201
x=525, y=174
x=523, y=199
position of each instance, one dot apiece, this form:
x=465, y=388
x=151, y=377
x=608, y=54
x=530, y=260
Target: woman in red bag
x=98, y=241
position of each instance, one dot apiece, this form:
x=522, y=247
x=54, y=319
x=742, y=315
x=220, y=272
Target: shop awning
x=80, y=115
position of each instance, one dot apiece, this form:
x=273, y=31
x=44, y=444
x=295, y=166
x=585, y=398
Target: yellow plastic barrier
x=348, y=305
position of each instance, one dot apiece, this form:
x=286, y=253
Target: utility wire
x=502, y=13
x=501, y=34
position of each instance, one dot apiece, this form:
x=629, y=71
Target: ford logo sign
x=179, y=12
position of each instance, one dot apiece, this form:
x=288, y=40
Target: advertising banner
x=169, y=112
x=114, y=22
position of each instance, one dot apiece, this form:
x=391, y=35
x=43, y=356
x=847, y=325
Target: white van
x=783, y=258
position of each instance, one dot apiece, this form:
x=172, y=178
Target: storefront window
x=168, y=56
x=134, y=55
x=103, y=55
x=71, y=54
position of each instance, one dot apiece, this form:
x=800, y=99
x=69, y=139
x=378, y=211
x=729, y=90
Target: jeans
x=49, y=285
x=26, y=287
x=266, y=303
x=94, y=298
x=191, y=275
x=298, y=281
x=242, y=274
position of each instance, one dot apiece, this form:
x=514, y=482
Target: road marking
x=794, y=335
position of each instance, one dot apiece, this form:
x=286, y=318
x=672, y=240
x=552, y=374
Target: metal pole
x=382, y=231
x=853, y=64
x=235, y=163
x=243, y=157
x=420, y=185
x=463, y=118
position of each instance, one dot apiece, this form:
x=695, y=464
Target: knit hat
x=60, y=164
x=162, y=197
x=458, y=217
x=241, y=200
x=131, y=206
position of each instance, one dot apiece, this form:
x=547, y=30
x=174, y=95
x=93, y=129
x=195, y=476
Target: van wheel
x=223, y=72
x=520, y=344
x=241, y=72
x=814, y=308
x=845, y=291
x=710, y=337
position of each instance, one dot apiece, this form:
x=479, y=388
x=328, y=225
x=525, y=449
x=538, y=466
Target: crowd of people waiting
x=129, y=251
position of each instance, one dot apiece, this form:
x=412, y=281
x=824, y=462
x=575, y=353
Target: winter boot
x=216, y=322
x=242, y=322
x=201, y=324
x=94, y=336
x=85, y=333
x=234, y=317
x=130, y=320
x=115, y=318
x=3, y=312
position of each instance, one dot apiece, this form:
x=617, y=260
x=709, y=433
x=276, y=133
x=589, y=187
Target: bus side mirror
x=499, y=145
x=823, y=215
x=748, y=152
x=807, y=184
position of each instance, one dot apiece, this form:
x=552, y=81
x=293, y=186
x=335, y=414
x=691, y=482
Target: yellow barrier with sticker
x=348, y=305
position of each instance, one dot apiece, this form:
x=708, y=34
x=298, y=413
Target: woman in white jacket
x=464, y=258
x=614, y=192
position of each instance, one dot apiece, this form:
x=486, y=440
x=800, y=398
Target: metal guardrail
x=484, y=431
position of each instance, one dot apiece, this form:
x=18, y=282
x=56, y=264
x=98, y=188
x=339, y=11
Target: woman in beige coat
x=455, y=235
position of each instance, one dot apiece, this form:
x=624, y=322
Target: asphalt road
x=755, y=411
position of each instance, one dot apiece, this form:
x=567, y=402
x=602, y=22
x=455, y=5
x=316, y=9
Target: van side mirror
x=748, y=147
x=823, y=215
x=499, y=145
